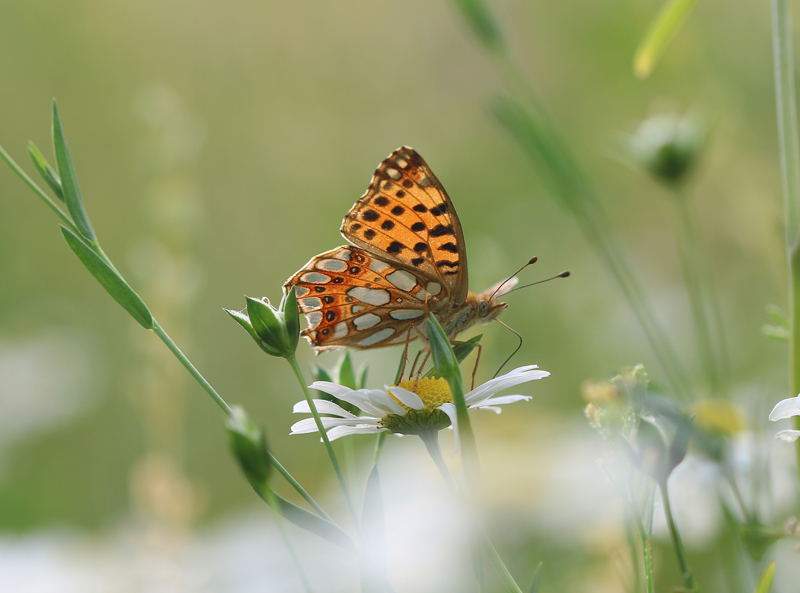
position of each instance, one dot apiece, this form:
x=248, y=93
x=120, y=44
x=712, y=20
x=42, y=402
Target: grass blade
x=46, y=171
x=110, y=280
x=69, y=183
x=666, y=25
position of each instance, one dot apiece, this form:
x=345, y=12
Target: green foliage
x=661, y=31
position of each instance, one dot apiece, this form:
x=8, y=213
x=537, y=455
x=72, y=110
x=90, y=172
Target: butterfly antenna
x=531, y=261
x=516, y=333
x=564, y=274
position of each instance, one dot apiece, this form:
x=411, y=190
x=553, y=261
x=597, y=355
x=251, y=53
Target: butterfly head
x=488, y=305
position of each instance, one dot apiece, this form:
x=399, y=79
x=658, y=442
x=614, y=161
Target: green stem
x=324, y=435
x=695, y=286
x=379, y=442
x=190, y=367
x=571, y=183
x=431, y=440
x=273, y=504
x=296, y=485
x=677, y=543
x=633, y=550
x=789, y=142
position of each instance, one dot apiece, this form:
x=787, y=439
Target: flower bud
x=667, y=146
x=276, y=331
x=249, y=446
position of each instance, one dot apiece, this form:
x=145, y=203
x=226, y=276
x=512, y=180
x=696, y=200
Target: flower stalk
x=789, y=143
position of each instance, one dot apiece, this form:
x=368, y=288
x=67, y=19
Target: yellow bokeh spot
x=432, y=392
x=719, y=416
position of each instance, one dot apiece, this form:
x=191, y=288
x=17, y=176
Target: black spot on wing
x=395, y=247
x=440, y=230
x=451, y=247
x=418, y=227
x=382, y=201
x=370, y=215
x=420, y=247
x=387, y=225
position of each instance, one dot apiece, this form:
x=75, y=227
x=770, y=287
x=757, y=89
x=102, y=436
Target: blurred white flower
x=783, y=410
x=399, y=410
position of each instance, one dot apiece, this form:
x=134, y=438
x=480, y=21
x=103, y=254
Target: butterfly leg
x=475, y=370
x=405, y=356
x=419, y=371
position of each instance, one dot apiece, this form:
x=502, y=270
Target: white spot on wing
x=314, y=319
x=315, y=278
x=402, y=163
x=339, y=330
x=433, y=288
x=356, y=308
x=393, y=173
x=377, y=265
x=366, y=321
x=310, y=303
x=370, y=296
x=331, y=265
x=301, y=291
x=378, y=336
x=425, y=182
x=403, y=314
x=343, y=254
x=402, y=280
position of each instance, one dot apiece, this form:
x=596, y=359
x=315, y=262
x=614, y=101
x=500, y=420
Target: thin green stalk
x=695, y=286
x=296, y=485
x=190, y=367
x=273, y=504
x=323, y=433
x=677, y=543
x=588, y=212
x=431, y=440
x=789, y=142
x=633, y=550
x=379, y=442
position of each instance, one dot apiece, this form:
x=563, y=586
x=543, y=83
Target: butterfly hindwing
x=352, y=299
x=406, y=218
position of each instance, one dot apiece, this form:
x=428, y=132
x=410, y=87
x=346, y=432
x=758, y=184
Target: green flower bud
x=276, y=331
x=667, y=146
x=249, y=446
x=444, y=359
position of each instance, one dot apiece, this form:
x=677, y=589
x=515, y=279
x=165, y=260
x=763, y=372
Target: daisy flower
x=399, y=410
x=786, y=409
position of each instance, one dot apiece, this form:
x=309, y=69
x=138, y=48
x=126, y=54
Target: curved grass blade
x=311, y=522
x=537, y=575
x=110, y=280
x=666, y=25
x=69, y=183
x=765, y=582
x=46, y=171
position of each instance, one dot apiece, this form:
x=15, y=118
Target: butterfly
x=407, y=258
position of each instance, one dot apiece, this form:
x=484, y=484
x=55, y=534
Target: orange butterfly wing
x=406, y=218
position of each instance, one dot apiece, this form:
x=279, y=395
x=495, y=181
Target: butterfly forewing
x=406, y=218
x=352, y=299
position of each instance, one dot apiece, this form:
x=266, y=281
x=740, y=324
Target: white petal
x=342, y=431
x=498, y=384
x=409, y=398
x=323, y=407
x=363, y=400
x=309, y=424
x=789, y=436
x=385, y=402
x=450, y=410
x=501, y=400
x=333, y=389
x=494, y=409
x=786, y=409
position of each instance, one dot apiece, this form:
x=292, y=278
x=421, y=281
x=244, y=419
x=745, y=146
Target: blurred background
x=219, y=145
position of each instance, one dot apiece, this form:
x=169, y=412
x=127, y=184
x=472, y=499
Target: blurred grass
x=299, y=103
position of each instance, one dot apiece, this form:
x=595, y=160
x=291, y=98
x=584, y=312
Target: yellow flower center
x=719, y=416
x=432, y=392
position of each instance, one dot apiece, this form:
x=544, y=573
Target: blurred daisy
x=786, y=409
x=401, y=409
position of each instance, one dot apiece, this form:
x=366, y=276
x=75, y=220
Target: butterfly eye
x=483, y=308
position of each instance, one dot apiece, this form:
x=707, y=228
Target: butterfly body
x=407, y=259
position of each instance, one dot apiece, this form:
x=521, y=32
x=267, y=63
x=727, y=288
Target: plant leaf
x=46, y=171
x=110, y=280
x=664, y=27
x=537, y=574
x=313, y=523
x=69, y=183
x=765, y=582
